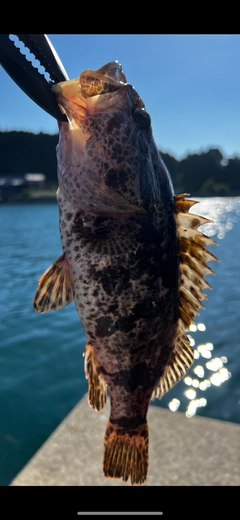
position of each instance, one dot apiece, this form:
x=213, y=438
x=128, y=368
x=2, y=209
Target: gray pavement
x=182, y=452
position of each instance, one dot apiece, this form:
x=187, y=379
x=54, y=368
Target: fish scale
x=133, y=259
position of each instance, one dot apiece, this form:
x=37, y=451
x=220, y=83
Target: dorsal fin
x=193, y=257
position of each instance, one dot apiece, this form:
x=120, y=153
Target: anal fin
x=180, y=361
x=55, y=287
x=97, y=390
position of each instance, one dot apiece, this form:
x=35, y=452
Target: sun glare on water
x=201, y=376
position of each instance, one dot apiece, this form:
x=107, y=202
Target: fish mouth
x=83, y=93
x=108, y=78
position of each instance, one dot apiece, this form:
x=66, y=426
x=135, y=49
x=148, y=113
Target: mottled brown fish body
x=128, y=303
x=133, y=260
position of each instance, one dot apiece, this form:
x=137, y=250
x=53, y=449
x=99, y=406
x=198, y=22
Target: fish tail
x=126, y=453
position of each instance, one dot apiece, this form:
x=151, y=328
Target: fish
x=133, y=259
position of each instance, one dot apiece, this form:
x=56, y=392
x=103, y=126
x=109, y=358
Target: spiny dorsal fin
x=97, y=390
x=193, y=256
x=55, y=287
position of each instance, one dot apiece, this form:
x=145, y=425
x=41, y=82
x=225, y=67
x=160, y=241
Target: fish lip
x=107, y=79
x=110, y=75
x=113, y=71
x=61, y=100
x=74, y=99
x=110, y=80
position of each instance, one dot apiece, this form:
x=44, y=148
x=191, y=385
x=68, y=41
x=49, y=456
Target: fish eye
x=141, y=118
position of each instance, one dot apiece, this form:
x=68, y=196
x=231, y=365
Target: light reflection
x=218, y=212
x=193, y=327
x=191, y=410
x=194, y=378
x=199, y=370
x=211, y=232
x=219, y=377
x=204, y=384
x=190, y=394
x=224, y=359
x=204, y=350
x=195, y=383
x=174, y=405
x=214, y=364
x=201, y=327
x=193, y=405
x=209, y=345
x=191, y=340
x=196, y=354
x=188, y=381
x=216, y=379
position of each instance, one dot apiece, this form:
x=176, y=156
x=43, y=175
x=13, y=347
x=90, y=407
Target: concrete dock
x=182, y=452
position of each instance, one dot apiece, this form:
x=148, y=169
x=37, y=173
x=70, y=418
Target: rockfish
x=133, y=260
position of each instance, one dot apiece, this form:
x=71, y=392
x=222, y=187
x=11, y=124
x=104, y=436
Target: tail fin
x=126, y=453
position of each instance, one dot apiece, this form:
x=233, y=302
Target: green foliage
x=210, y=187
x=202, y=174
x=205, y=174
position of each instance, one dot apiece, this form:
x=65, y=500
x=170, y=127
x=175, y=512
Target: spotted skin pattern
x=120, y=228
x=128, y=302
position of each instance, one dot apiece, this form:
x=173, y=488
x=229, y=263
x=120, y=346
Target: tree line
x=204, y=174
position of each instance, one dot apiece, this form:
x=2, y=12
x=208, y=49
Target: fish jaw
x=85, y=96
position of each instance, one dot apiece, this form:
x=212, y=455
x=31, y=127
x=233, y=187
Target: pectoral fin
x=55, y=287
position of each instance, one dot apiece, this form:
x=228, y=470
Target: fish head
x=108, y=162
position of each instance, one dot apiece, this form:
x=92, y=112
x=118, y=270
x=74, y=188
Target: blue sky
x=190, y=85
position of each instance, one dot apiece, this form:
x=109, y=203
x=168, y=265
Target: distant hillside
x=24, y=152
x=201, y=174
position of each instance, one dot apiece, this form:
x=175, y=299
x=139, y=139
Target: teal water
x=41, y=364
